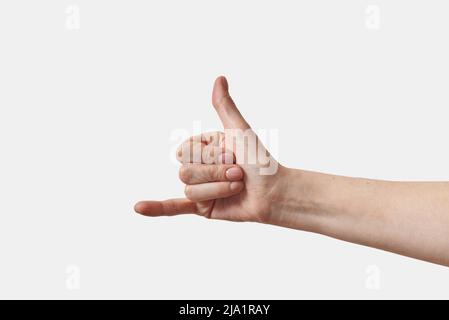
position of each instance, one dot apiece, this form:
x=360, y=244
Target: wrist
x=300, y=200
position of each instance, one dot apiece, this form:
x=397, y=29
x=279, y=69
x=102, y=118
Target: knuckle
x=185, y=174
x=179, y=153
x=221, y=173
x=208, y=155
x=195, y=138
x=221, y=139
x=183, y=153
x=213, y=173
x=195, y=152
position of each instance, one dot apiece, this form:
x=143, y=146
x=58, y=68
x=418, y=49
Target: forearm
x=409, y=218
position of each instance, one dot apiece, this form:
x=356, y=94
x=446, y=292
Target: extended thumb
x=225, y=106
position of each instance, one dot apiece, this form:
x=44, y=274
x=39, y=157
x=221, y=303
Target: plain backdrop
x=93, y=95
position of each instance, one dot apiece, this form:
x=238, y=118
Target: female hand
x=228, y=175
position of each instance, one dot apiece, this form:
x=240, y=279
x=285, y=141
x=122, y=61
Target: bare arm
x=409, y=218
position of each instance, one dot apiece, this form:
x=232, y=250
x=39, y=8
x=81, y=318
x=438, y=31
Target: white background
x=88, y=106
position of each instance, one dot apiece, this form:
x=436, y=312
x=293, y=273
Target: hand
x=228, y=175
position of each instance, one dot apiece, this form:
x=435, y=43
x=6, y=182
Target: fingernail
x=234, y=173
x=226, y=158
x=236, y=186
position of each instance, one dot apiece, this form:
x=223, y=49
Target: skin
x=408, y=218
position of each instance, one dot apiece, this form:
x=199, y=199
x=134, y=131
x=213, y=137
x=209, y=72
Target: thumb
x=225, y=106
